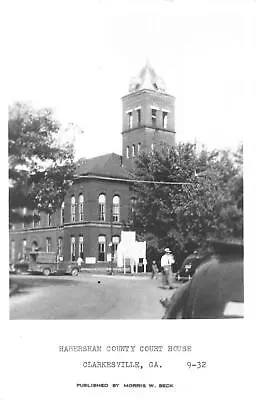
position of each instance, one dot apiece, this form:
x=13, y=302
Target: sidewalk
x=107, y=271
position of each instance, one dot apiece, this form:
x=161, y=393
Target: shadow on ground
x=20, y=284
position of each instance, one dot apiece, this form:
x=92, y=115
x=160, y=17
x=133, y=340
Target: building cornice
x=149, y=128
x=46, y=228
x=70, y=225
x=151, y=91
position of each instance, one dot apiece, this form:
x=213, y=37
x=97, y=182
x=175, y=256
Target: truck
x=47, y=263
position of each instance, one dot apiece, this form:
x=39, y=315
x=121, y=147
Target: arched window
x=48, y=245
x=139, y=116
x=115, y=242
x=102, y=247
x=60, y=246
x=116, y=209
x=81, y=207
x=23, y=250
x=127, y=152
x=62, y=219
x=49, y=214
x=153, y=117
x=73, y=208
x=138, y=148
x=133, y=203
x=73, y=248
x=34, y=245
x=36, y=219
x=81, y=246
x=24, y=212
x=133, y=150
x=165, y=119
x=130, y=119
x=102, y=207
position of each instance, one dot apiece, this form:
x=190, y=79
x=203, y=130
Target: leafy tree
x=40, y=171
x=182, y=217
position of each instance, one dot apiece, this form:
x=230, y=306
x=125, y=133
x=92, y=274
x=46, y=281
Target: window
x=60, y=246
x=130, y=119
x=81, y=207
x=133, y=150
x=62, y=218
x=139, y=116
x=34, y=245
x=12, y=250
x=49, y=218
x=73, y=248
x=48, y=245
x=24, y=212
x=102, y=247
x=81, y=246
x=23, y=250
x=127, y=152
x=133, y=203
x=36, y=219
x=152, y=147
x=153, y=117
x=115, y=241
x=139, y=147
x=102, y=207
x=73, y=209
x=116, y=209
x=165, y=119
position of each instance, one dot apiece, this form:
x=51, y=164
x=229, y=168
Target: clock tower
x=148, y=116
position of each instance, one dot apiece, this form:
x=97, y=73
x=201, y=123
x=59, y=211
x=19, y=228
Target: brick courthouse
x=99, y=201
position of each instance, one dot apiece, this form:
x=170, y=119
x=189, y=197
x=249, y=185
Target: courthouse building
x=99, y=202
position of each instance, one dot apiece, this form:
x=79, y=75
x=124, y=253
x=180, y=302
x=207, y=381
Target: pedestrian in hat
x=167, y=260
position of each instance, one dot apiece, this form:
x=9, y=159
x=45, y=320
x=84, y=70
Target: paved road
x=65, y=297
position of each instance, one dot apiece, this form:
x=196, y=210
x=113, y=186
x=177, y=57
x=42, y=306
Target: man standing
x=79, y=262
x=167, y=261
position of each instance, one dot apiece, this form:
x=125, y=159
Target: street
x=88, y=296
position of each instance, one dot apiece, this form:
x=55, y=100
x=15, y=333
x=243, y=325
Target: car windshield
x=33, y=256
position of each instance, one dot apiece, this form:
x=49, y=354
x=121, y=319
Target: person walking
x=79, y=262
x=154, y=269
x=167, y=260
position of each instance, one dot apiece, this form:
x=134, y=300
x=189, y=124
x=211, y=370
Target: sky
x=79, y=57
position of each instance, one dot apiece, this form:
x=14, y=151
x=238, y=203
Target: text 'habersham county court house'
x=100, y=201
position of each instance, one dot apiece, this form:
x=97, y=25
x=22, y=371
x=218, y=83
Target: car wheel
x=46, y=272
x=74, y=272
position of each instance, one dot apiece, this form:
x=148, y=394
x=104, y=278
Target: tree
x=40, y=171
x=182, y=217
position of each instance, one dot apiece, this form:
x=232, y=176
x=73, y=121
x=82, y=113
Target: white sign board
x=90, y=260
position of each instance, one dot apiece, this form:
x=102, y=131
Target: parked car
x=215, y=291
x=46, y=263
x=190, y=264
x=19, y=267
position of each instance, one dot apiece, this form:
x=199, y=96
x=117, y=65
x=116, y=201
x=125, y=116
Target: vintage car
x=19, y=267
x=190, y=264
x=46, y=263
x=215, y=291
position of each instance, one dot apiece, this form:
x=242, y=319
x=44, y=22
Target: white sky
x=78, y=57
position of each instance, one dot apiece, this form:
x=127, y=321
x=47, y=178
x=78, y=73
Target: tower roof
x=147, y=79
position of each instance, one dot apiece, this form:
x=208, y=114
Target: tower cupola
x=148, y=115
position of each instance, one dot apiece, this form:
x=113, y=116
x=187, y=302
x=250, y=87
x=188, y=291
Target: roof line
x=134, y=180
